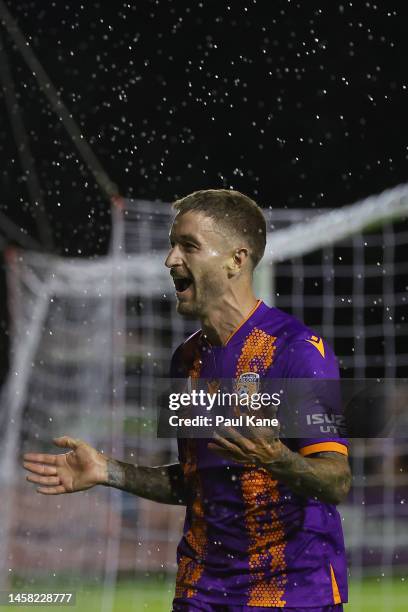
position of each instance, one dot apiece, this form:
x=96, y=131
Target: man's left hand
x=262, y=447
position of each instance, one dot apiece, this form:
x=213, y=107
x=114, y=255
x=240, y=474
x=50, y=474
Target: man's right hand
x=81, y=468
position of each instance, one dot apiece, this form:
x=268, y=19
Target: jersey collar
x=243, y=323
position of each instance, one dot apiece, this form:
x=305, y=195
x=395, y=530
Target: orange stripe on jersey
x=258, y=303
x=322, y=447
x=335, y=588
x=190, y=569
x=257, y=353
x=267, y=542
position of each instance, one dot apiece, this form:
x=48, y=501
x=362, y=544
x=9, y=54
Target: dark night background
x=297, y=104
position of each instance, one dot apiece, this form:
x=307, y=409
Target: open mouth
x=182, y=284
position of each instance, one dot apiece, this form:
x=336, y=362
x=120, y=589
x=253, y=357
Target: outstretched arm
x=84, y=467
x=164, y=483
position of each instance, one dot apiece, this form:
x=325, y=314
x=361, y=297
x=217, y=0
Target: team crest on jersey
x=247, y=383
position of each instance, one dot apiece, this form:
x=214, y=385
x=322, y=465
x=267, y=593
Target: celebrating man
x=261, y=529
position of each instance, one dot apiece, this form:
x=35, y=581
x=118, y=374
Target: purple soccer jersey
x=248, y=540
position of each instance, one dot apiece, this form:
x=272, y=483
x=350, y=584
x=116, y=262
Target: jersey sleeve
x=312, y=373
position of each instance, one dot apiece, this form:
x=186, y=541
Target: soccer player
x=261, y=531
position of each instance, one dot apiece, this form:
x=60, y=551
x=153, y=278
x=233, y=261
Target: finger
x=38, y=468
x=236, y=410
x=235, y=455
x=224, y=442
x=40, y=458
x=67, y=442
x=52, y=490
x=238, y=439
x=228, y=445
x=222, y=449
x=44, y=480
x=219, y=450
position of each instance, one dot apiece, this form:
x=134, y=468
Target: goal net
x=89, y=339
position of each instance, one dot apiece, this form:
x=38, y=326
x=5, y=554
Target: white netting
x=89, y=338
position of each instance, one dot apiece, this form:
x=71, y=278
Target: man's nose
x=173, y=258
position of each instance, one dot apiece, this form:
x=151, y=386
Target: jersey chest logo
x=247, y=383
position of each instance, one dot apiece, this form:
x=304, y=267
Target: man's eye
x=189, y=246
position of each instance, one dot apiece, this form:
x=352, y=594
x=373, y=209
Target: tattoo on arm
x=325, y=476
x=164, y=484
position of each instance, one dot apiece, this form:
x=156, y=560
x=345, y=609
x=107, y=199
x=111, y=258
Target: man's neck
x=225, y=317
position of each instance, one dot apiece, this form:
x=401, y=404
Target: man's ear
x=238, y=262
x=241, y=257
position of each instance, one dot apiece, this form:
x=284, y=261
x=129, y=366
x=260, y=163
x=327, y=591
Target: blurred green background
x=155, y=595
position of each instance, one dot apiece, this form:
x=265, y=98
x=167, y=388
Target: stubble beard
x=191, y=309
x=203, y=299
x=187, y=311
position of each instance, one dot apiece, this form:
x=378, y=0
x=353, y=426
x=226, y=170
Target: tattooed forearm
x=164, y=484
x=326, y=476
